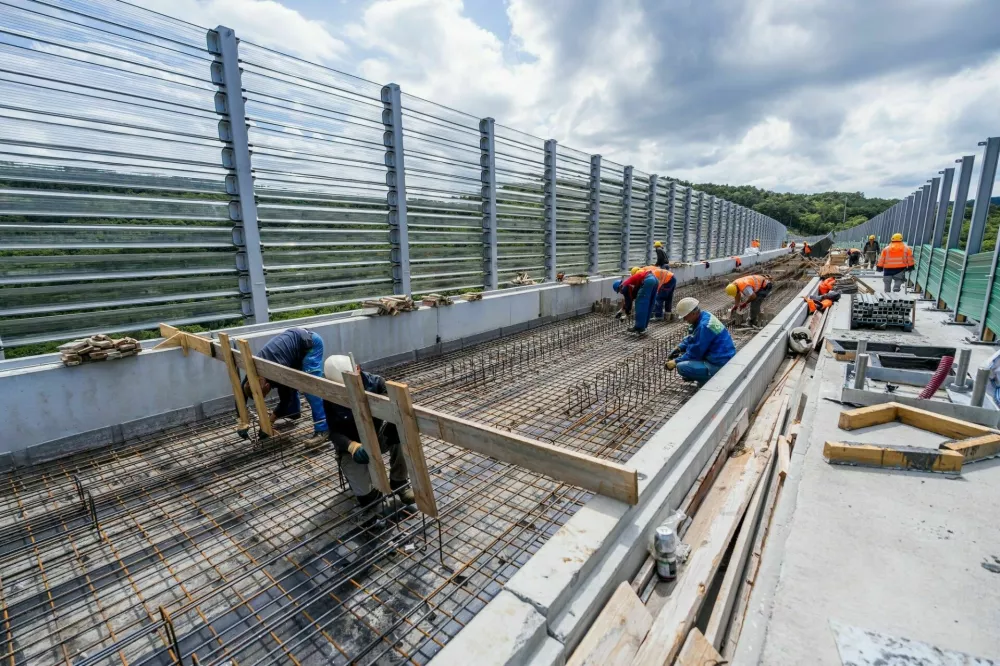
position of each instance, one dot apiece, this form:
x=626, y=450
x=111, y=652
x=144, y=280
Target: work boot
x=403, y=491
x=317, y=438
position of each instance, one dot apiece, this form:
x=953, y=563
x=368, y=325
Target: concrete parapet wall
x=48, y=410
x=573, y=575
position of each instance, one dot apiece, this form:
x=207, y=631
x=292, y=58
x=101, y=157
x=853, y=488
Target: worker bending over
x=872, y=251
x=641, y=287
x=895, y=261
x=853, y=256
x=749, y=290
x=827, y=285
x=351, y=456
x=666, y=283
x=299, y=349
x=661, y=256
x=707, y=347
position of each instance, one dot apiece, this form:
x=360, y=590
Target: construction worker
x=661, y=255
x=806, y=250
x=872, y=251
x=666, y=283
x=853, y=256
x=755, y=243
x=351, y=455
x=749, y=290
x=640, y=287
x=707, y=347
x=792, y=245
x=300, y=349
x=739, y=262
x=827, y=285
x=896, y=259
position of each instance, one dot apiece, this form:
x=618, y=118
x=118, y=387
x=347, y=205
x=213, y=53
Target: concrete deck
x=899, y=553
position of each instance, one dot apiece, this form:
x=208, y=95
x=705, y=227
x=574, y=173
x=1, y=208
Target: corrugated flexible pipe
x=944, y=367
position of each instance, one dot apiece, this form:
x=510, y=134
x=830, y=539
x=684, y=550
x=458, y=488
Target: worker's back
x=713, y=337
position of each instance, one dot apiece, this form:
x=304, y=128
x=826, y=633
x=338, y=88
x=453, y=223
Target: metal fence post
x=926, y=231
x=698, y=223
x=225, y=71
x=942, y=208
x=980, y=208
x=727, y=221
x=687, y=224
x=713, y=230
x=395, y=180
x=961, y=198
x=550, y=210
x=671, y=199
x=488, y=162
x=626, y=216
x=650, y=218
x=593, y=235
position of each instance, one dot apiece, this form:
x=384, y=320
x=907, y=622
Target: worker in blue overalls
x=641, y=287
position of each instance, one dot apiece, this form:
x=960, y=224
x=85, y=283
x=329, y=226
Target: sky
x=793, y=95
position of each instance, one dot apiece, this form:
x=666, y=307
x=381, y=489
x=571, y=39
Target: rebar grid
x=257, y=554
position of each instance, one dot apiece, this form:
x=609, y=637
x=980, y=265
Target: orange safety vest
x=823, y=305
x=806, y=248
x=827, y=285
x=738, y=261
x=755, y=244
x=662, y=275
x=897, y=254
x=757, y=282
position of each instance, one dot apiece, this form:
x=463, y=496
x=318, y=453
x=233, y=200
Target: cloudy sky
x=795, y=95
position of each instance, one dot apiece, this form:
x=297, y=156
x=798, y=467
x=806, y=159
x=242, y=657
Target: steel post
x=711, y=249
x=860, y=369
x=981, y=207
x=594, y=205
x=550, y=210
x=487, y=160
x=961, y=197
x=650, y=218
x=700, y=209
x=399, y=239
x=226, y=72
x=687, y=225
x=979, y=386
x=626, y=236
x=983, y=196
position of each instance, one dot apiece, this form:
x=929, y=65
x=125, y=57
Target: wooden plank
x=234, y=379
x=784, y=458
x=976, y=448
x=366, y=430
x=863, y=417
x=945, y=426
x=263, y=415
x=595, y=474
x=894, y=457
x=615, y=636
x=178, y=338
x=413, y=450
x=698, y=651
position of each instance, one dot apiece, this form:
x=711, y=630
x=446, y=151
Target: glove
x=674, y=354
x=358, y=453
x=671, y=364
x=620, y=315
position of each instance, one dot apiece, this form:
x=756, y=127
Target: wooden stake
x=258, y=396
x=413, y=450
x=234, y=379
x=366, y=430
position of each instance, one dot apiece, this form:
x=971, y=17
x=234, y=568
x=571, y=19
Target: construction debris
x=473, y=296
x=882, y=310
x=390, y=305
x=522, y=279
x=436, y=300
x=98, y=348
x=574, y=279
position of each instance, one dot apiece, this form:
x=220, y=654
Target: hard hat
x=657, y=243
x=686, y=306
x=897, y=237
x=633, y=270
x=335, y=366
x=872, y=237
x=616, y=285
x=731, y=289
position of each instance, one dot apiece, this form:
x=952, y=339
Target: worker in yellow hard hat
x=871, y=251
x=661, y=256
x=749, y=290
x=633, y=270
x=895, y=261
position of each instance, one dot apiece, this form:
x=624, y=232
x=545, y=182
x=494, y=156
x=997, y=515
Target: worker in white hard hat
x=351, y=455
x=661, y=255
x=707, y=347
x=871, y=251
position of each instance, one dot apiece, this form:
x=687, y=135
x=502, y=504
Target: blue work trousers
x=665, y=297
x=644, y=302
x=699, y=371
x=313, y=364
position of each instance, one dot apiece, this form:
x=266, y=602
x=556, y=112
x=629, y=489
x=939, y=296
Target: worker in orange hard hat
x=896, y=260
x=872, y=251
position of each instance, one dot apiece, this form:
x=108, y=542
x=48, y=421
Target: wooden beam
x=976, y=448
x=615, y=636
x=258, y=396
x=234, y=379
x=579, y=469
x=784, y=458
x=945, y=426
x=697, y=651
x=413, y=450
x=178, y=338
x=894, y=457
x=863, y=417
x=366, y=430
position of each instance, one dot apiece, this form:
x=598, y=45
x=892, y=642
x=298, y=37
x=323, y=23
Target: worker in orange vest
x=739, y=262
x=895, y=261
x=749, y=290
x=853, y=256
x=664, y=291
x=817, y=305
x=806, y=250
x=755, y=243
x=827, y=285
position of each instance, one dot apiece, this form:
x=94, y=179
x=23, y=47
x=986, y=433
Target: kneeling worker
x=707, y=347
x=752, y=290
x=351, y=456
x=299, y=349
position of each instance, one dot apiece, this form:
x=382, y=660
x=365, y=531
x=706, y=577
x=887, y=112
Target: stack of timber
x=98, y=348
x=522, y=279
x=697, y=618
x=390, y=305
x=435, y=300
x=473, y=296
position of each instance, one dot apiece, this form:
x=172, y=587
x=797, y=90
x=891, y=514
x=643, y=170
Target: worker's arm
x=347, y=446
x=288, y=402
x=698, y=347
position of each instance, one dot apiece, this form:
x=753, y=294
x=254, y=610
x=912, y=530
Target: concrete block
x=551, y=653
x=547, y=579
x=507, y=632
